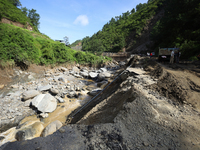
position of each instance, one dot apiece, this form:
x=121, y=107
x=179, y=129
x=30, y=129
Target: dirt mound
x=176, y=82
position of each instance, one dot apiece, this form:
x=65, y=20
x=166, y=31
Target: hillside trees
x=16, y=3
x=180, y=27
x=34, y=17
x=114, y=34
x=9, y=10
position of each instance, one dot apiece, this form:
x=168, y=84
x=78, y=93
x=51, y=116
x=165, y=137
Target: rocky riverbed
x=150, y=107
x=57, y=92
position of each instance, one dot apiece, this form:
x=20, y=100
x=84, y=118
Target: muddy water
x=61, y=113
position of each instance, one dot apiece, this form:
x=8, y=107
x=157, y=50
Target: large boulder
x=103, y=75
x=51, y=128
x=84, y=74
x=30, y=132
x=93, y=75
x=45, y=103
x=30, y=94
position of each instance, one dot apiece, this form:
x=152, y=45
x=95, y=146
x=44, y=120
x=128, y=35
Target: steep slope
x=21, y=47
x=11, y=12
x=123, y=32
x=157, y=23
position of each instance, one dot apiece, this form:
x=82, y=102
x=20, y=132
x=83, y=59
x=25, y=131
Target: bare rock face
x=52, y=127
x=45, y=103
x=30, y=94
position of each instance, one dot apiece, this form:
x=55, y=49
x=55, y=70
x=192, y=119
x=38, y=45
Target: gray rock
x=44, y=115
x=94, y=92
x=30, y=132
x=17, y=93
x=102, y=84
x=51, y=128
x=84, y=70
x=14, y=86
x=30, y=77
x=62, y=79
x=103, y=75
x=75, y=69
x=84, y=74
x=93, y=75
x=47, y=75
x=45, y=103
x=60, y=100
x=77, y=76
x=103, y=69
x=27, y=103
x=63, y=69
x=121, y=63
x=44, y=88
x=54, y=91
x=30, y=94
x=71, y=94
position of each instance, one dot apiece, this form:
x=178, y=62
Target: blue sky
x=76, y=19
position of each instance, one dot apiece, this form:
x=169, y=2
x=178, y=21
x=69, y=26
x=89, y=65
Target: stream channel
x=57, y=78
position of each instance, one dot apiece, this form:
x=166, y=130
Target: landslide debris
x=135, y=116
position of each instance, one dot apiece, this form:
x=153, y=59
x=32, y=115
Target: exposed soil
x=179, y=82
x=152, y=108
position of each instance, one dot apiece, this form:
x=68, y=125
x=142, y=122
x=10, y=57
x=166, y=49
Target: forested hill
x=157, y=23
x=19, y=46
x=9, y=9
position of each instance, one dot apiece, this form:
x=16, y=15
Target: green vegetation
x=9, y=10
x=21, y=45
x=115, y=34
x=75, y=43
x=180, y=27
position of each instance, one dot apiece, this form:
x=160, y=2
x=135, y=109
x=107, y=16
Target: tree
x=24, y=10
x=149, y=1
x=15, y=2
x=133, y=10
x=140, y=6
x=35, y=17
x=66, y=39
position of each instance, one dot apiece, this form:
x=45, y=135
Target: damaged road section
x=133, y=115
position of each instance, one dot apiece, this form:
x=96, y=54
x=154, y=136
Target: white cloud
x=82, y=19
